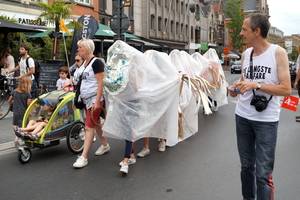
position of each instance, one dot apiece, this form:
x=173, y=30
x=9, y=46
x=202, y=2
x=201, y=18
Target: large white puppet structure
x=142, y=95
x=158, y=95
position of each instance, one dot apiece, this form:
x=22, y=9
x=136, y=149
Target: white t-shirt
x=265, y=71
x=61, y=83
x=23, y=66
x=89, y=84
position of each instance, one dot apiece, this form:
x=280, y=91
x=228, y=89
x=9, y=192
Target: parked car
x=236, y=67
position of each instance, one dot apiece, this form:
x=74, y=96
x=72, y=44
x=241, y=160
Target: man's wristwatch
x=258, y=86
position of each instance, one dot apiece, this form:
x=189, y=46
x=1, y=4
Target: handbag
x=77, y=100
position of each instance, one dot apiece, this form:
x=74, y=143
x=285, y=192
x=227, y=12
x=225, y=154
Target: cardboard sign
x=290, y=103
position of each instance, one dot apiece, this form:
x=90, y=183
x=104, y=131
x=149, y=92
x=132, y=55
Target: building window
x=167, y=3
x=102, y=6
x=182, y=8
x=177, y=28
x=181, y=29
x=186, y=30
x=152, y=22
x=192, y=32
x=84, y=1
x=172, y=26
x=159, y=24
x=177, y=6
x=159, y=2
x=166, y=25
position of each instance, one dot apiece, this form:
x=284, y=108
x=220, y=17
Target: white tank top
x=264, y=71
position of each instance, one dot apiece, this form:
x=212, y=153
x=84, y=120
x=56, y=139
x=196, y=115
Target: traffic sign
x=124, y=23
x=226, y=51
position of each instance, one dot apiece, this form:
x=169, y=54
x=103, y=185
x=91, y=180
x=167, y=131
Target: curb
x=7, y=146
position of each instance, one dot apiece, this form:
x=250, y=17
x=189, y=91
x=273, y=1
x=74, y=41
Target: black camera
x=259, y=102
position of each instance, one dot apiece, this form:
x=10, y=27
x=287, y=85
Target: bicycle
x=41, y=89
x=7, y=85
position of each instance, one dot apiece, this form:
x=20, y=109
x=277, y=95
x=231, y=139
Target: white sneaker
x=130, y=161
x=214, y=109
x=102, y=150
x=144, y=152
x=80, y=162
x=124, y=168
x=162, y=146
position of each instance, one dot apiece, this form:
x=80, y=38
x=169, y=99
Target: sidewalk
x=6, y=133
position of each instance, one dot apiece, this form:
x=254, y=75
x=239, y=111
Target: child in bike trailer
x=36, y=127
x=20, y=98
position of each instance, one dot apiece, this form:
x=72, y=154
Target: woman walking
x=91, y=74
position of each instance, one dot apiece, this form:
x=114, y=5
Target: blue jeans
x=33, y=88
x=129, y=149
x=256, y=143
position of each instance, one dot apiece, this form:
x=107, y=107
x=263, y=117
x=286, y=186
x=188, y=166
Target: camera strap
x=252, y=73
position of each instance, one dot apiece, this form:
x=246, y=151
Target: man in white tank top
x=257, y=118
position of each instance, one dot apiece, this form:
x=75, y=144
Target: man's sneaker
x=298, y=120
x=144, y=152
x=80, y=162
x=162, y=146
x=297, y=117
x=124, y=168
x=102, y=150
x=130, y=161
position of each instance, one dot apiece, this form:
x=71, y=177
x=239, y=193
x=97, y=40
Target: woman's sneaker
x=131, y=161
x=102, y=150
x=162, y=146
x=144, y=152
x=80, y=162
x=124, y=168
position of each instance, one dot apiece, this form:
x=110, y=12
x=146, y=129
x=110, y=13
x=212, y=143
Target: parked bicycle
x=7, y=85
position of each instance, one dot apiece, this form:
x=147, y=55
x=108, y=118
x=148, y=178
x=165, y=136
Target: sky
x=285, y=15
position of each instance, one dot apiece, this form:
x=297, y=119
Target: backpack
x=37, y=69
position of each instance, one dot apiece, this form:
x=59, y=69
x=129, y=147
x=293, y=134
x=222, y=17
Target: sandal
x=21, y=134
x=34, y=136
x=17, y=129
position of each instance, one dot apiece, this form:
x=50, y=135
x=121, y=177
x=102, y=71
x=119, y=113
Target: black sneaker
x=297, y=117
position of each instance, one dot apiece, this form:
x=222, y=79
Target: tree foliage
x=234, y=10
x=52, y=14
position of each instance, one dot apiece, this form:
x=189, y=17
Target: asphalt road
x=204, y=167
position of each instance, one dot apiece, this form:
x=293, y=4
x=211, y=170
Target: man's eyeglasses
x=77, y=60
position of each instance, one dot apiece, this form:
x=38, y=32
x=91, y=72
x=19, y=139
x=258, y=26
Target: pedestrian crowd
x=256, y=114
